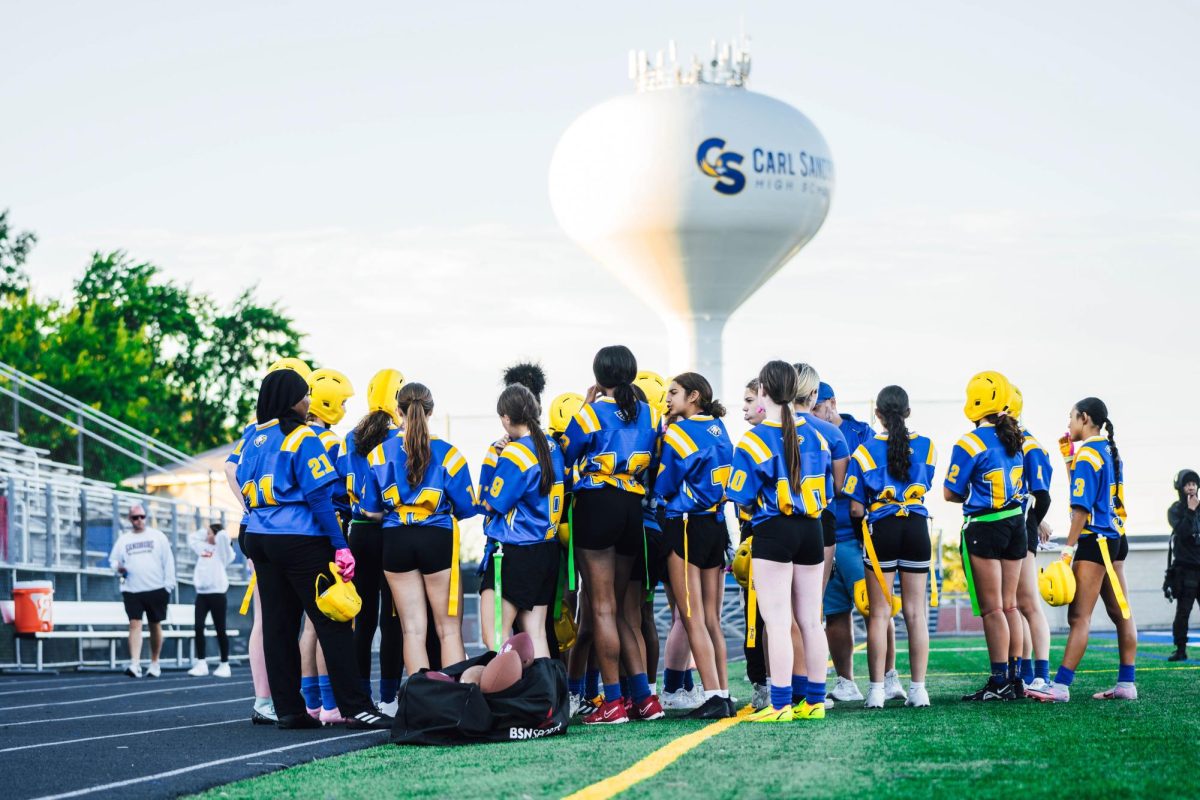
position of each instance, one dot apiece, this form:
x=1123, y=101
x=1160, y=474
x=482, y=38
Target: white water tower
x=693, y=191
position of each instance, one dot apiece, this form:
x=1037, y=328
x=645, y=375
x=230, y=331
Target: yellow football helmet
x=295, y=365
x=655, y=389
x=562, y=408
x=1057, y=583
x=340, y=602
x=565, y=629
x=382, y=391
x=330, y=391
x=564, y=532
x=863, y=604
x=1016, y=403
x=987, y=393
x=741, y=563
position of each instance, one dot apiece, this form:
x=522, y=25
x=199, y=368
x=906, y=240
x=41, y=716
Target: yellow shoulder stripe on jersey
x=756, y=447
x=972, y=444
x=237, y=448
x=491, y=458
x=329, y=439
x=291, y=442
x=863, y=457
x=267, y=424
x=680, y=442
x=1031, y=444
x=931, y=459
x=655, y=418
x=1090, y=455
x=375, y=457
x=587, y=419
x=453, y=462
x=520, y=455
x=821, y=439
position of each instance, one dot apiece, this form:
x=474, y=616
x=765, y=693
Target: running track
x=100, y=734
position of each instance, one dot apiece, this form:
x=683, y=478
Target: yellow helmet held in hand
x=987, y=393
x=562, y=408
x=295, y=365
x=340, y=602
x=863, y=604
x=1016, y=403
x=740, y=567
x=1057, y=583
x=564, y=532
x=655, y=388
x=330, y=391
x=382, y=391
x=565, y=629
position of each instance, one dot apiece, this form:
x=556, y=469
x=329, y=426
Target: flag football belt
x=245, y=609
x=994, y=516
x=687, y=588
x=869, y=546
x=751, y=606
x=1112, y=576
x=414, y=515
x=571, y=545
x=498, y=620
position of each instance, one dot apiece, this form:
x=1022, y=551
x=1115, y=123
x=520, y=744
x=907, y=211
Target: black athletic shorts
x=1088, y=548
x=428, y=548
x=608, y=517
x=152, y=603
x=901, y=543
x=1003, y=539
x=829, y=527
x=789, y=540
x=707, y=540
x=529, y=574
x=657, y=551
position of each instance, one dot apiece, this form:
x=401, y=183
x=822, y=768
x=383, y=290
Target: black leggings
x=216, y=604
x=366, y=542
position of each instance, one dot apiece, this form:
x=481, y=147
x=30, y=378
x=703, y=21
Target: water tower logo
x=729, y=179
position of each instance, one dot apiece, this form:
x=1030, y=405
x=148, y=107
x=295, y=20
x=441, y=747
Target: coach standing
x=143, y=559
x=1184, y=568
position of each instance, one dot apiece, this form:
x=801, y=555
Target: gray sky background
x=1017, y=190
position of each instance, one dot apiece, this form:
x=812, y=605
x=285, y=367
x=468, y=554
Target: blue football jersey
x=334, y=446
x=871, y=483
x=855, y=433
x=983, y=473
x=445, y=491
x=276, y=472
x=608, y=449
x=760, y=475
x=837, y=445
x=236, y=454
x=1037, y=465
x=520, y=513
x=355, y=472
x=1095, y=491
x=697, y=457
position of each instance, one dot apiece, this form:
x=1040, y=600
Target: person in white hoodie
x=143, y=558
x=213, y=554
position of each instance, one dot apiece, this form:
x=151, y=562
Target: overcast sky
x=1016, y=190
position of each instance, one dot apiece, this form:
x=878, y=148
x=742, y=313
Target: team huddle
x=628, y=486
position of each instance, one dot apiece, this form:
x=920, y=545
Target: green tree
x=14, y=249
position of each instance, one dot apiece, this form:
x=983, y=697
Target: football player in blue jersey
x=986, y=475
x=1096, y=550
x=696, y=458
x=886, y=482
x=292, y=534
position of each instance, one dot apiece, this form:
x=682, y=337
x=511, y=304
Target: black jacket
x=1185, y=534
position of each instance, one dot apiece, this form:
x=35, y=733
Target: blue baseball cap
x=824, y=392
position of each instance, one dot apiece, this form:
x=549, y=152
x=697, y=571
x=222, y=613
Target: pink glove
x=345, y=562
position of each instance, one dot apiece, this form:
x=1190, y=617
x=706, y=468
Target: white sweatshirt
x=211, y=561
x=147, y=559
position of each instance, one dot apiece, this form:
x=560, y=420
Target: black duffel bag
x=442, y=713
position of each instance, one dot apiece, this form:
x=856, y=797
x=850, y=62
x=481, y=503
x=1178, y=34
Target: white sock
x=916, y=685
x=654, y=688
x=874, y=685
x=1126, y=684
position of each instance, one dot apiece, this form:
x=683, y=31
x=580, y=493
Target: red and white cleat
x=649, y=708
x=611, y=712
x=1053, y=693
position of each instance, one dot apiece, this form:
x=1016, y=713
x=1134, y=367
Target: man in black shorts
x=143, y=559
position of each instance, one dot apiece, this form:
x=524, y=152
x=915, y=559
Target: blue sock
x=1027, y=670
x=799, y=687
x=815, y=694
x=1125, y=673
x=999, y=672
x=388, y=689
x=575, y=685
x=624, y=686
x=1065, y=676
x=640, y=686
x=1041, y=669
x=591, y=682
x=310, y=690
x=781, y=696
x=672, y=680
x=688, y=683
x=612, y=691
x=327, y=701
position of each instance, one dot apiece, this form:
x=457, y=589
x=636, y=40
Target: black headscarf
x=281, y=390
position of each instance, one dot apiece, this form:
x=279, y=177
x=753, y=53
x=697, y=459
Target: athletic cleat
x=1038, y=685
x=373, y=720
x=580, y=705
x=648, y=709
x=807, y=710
x=680, y=700
x=611, y=712
x=772, y=714
x=1179, y=655
x=1053, y=693
x=892, y=690
x=875, y=697
x=390, y=709
x=917, y=698
x=761, y=697
x=297, y=722
x=259, y=718
x=134, y=670
x=222, y=670
x=1118, y=692
x=1014, y=690
x=263, y=713
x=154, y=670
x=990, y=691
x=331, y=716
x=846, y=691
x=715, y=707
x=828, y=703
x=199, y=669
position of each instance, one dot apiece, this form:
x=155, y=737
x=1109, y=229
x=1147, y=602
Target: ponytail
x=415, y=403
x=517, y=402
x=615, y=368
x=1116, y=456
x=892, y=404
x=1008, y=431
x=370, y=431
x=779, y=380
x=695, y=382
x=1098, y=413
x=627, y=402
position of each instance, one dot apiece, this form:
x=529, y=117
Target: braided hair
x=892, y=405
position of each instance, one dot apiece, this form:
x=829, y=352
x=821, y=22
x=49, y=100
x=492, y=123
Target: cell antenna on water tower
x=693, y=191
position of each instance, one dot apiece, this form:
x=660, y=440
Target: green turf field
x=958, y=750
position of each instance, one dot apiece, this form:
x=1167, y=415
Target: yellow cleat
x=805, y=711
x=772, y=714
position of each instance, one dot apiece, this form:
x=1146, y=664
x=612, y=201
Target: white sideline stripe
x=119, y=735
x=116, y=696
x=216, y=763
x=117, y=682
x=128, y=713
